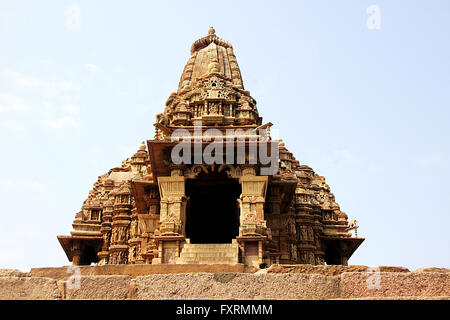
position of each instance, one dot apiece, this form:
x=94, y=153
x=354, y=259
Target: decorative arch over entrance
x=212, y=213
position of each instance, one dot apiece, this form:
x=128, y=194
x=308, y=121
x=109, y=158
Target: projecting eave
x=347, y=246
x=66, y=243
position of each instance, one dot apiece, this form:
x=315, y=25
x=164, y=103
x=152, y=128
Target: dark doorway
x=88, y=255
x=212, y=214
x=332, y=253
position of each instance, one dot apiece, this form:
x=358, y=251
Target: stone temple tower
x=211, y=187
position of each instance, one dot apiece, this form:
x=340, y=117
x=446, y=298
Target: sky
x=358, y=90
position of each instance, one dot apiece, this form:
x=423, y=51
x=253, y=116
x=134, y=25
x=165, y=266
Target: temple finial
x=211, y=31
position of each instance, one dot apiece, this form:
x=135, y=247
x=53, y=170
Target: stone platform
x=137, y=270
x=202, y=281
x=222, y=253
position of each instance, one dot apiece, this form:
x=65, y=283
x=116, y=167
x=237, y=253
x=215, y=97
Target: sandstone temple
x=156, y=209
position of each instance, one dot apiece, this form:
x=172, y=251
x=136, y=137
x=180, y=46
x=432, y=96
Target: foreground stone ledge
x=98, y=287
x=441, y=270
x=26, y=288
x=328, y=270
x=63, y=273
x=13, y=273
x=395, y=284
x=236, y=286
x=217, y=282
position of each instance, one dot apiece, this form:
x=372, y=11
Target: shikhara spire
x=211, y=89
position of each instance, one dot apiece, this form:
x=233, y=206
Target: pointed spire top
x=208, y=39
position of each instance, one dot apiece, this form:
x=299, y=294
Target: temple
x=212, y=187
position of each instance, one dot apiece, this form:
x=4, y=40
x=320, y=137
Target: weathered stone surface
x=394, y=284
x=99, y=287
x=63, y=273
x=58, y=273
x=13, y=273
x=26, y=288
x=328, y=270
x=237, y=286
x=442, y=270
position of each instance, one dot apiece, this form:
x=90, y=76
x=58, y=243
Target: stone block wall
x=278, y=282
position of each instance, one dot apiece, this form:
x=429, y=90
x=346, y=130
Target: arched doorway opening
x=212, y=213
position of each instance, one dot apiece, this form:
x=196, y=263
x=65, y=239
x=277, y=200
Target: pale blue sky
x=367, y=109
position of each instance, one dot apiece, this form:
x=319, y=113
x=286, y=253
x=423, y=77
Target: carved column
x=305, y=225
x=106, y=231
x=76, y=253
x=172, y=216
x=134, y=241
x=253, y=231
x=120, y=226
x=173, y=205
x=147, y=224
x=251, y=203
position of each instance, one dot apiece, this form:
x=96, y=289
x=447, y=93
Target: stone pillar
x=173, y=205
x=253, y=230
x=148, y=223
x=134, y=240
x=344, y=261
x=260, y=252
x=76, y=258
x=251, y=203
x=76, y=253
x=118, y=251
x=160, y=250
x=172, y=216
x=106, y=231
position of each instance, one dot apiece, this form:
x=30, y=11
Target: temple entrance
x=212, y=214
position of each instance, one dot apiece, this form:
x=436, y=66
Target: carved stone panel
x=173, y=204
